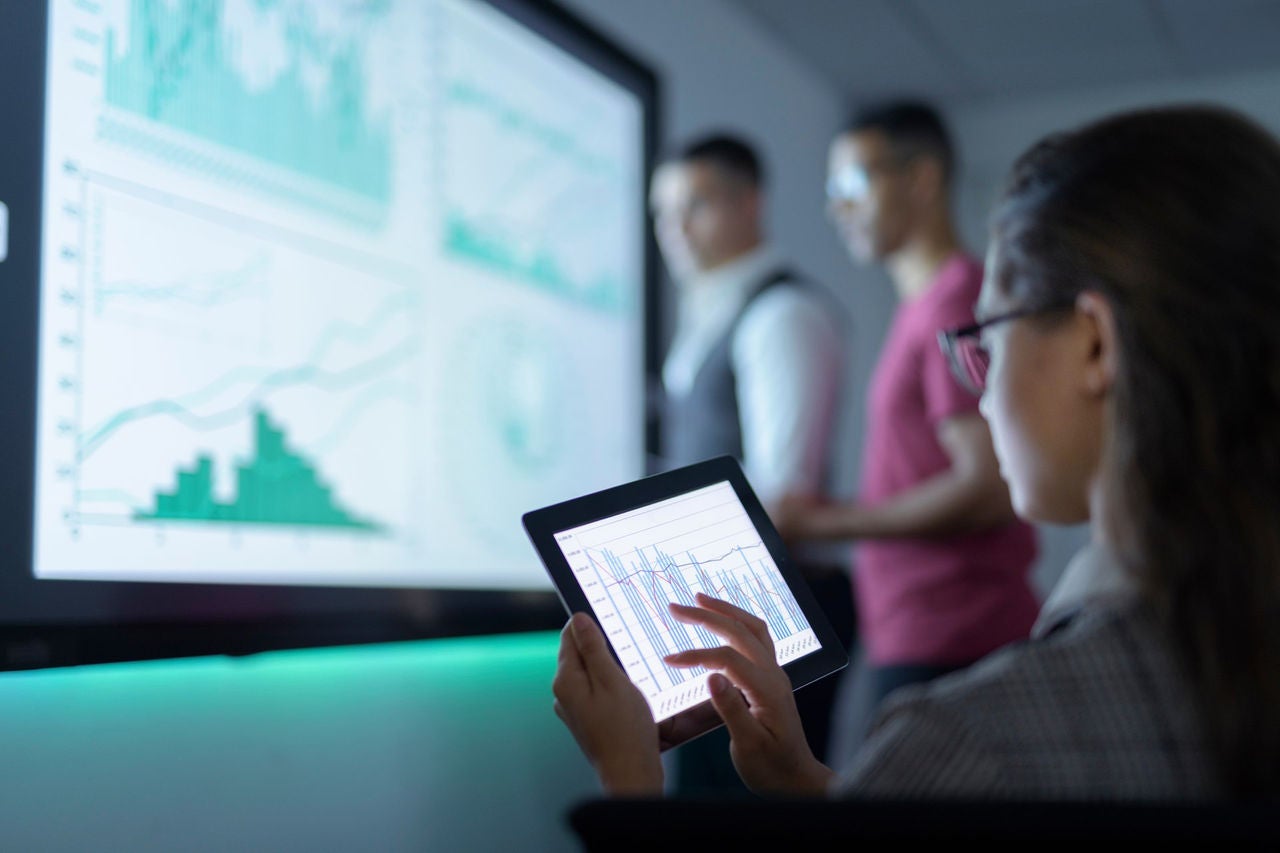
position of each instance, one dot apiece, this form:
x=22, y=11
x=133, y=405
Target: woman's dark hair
x=1173, y=216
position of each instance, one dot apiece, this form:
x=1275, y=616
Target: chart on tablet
x=632, y=565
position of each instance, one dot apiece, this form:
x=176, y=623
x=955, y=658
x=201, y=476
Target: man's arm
x=969, y=496
x=788, y=359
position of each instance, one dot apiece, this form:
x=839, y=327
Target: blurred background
x=451, y=744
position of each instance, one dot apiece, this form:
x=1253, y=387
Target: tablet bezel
x=542, y=525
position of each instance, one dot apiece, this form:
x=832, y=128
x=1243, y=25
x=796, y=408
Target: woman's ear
x=1103, y=343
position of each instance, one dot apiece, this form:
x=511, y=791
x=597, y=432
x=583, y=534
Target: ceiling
x=973, y=50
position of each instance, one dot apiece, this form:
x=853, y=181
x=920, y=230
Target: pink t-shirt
x=943, y=600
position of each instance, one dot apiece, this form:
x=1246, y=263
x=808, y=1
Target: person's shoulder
x=955, y=291
x=795, y=299
x=1099, y=706
x=1023, y=679
x=1095, y=708
x=960, y=275
x=786, y=277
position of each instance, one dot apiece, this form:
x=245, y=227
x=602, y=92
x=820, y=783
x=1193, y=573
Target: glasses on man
x=966, y=355
x=849, y=184
x=852, y=183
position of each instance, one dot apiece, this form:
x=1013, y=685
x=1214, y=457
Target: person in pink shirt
x=941, y=564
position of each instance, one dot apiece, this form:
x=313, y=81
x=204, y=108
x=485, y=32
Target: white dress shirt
x=787, y=356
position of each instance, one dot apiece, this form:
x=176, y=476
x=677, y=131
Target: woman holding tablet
x=1128, y=357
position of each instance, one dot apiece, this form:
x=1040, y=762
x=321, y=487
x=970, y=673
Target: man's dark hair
x=913, y=128
x=731, y=154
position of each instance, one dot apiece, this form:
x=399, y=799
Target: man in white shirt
x=755, y=371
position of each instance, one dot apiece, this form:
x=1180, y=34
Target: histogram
x=276, y=486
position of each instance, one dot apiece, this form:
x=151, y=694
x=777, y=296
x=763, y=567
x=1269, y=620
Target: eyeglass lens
x=849, y=184
x=973, y=360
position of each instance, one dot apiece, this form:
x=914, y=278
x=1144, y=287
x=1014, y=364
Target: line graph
x=219, y=394
x=209, y=289
x=633, y=565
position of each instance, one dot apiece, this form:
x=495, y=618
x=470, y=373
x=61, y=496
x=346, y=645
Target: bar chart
x=633, y=565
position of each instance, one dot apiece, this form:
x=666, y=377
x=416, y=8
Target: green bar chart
x=178, y=67
x=275, y=486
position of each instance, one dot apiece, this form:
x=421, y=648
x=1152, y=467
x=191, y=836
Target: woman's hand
x=606, y=713
x=753, y=695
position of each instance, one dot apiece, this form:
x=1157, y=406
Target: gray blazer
x=1091, y=707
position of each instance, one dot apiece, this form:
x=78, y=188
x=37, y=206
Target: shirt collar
x=1093, y=575
x=730, y=283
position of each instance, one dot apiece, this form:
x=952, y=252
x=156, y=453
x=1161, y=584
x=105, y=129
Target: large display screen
x=331, y=291
x=302, y=304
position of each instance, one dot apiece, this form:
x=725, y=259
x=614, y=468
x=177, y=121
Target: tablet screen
x=632, y=564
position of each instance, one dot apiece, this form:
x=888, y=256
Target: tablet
x=624, y=553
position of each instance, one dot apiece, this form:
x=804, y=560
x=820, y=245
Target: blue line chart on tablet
x=632, y=565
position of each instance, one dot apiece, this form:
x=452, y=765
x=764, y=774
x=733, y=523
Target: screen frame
x=542, y=525
x=50, y=623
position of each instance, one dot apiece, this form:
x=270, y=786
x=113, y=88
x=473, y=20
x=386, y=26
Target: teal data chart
x=633, y=565
x=274, y=486
x=538, y=190
x=273, y=92
x=538, y=177
x=223, y=396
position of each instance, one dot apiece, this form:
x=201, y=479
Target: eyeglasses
x=853, y=183
x=966, y=355
x=849, y=184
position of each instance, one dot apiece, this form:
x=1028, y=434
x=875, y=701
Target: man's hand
x=790, y=515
